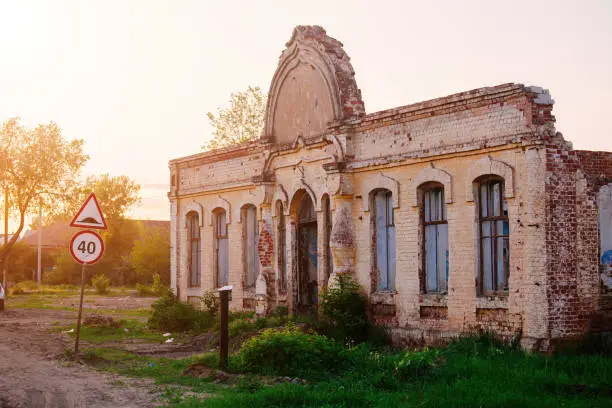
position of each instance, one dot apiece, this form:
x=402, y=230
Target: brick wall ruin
x=319, y=144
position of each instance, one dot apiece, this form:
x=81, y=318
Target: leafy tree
x=151, y=255
x=115, y=194
x=37, y=166
x=65, y=271
x=22, y=262
x=243, y=120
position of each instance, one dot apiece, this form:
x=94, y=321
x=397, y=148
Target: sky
x=135, y=79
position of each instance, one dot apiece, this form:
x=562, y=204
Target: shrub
x=29, y=285
x=291, y=352
x=280, y=311
x=144, y=290
x=157, y=289
x=101, y=283
x=170, y=314
x=417, y=363
x=343, y=310
x=17, y=290
x=240, y=314
x=241, y=325
x=210, y=302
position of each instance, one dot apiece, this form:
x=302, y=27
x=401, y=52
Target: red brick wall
x=572, y=240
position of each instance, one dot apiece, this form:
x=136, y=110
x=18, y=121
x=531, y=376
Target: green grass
x=127, y=330
x=473, y=373
x=163, y=370
x=39, y=301
x=57, y=300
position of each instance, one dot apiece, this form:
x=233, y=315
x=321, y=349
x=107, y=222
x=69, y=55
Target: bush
x=144, y=290
x=28, y=285
x=241, y=325
x=210, y=302
x=417, y=363
x=101, y=283
x=280, y=311
x=343, y=311
x=17, y=290
x=292, y=353
x=157, y=289
x=170, y=314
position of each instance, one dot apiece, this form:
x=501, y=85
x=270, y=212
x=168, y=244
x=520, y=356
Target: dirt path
x=33, y=374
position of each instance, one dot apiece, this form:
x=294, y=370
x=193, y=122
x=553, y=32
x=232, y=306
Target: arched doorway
x=307, y=256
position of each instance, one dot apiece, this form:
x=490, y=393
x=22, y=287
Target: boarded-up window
x=494, y=237
x=194, y=244
x=251, y=236
x=282, y=256
x=435, y=240
x=385, y=239
x=221, y=248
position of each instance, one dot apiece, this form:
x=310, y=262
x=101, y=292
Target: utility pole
x=38, y=271
x=6, y=213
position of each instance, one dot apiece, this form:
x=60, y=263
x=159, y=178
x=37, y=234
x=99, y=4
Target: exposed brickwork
x=350, y=95
x=434, y=312
x=573, y=180
x=506, y=131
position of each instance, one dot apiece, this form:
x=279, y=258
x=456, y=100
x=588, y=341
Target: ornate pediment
x=313, y=87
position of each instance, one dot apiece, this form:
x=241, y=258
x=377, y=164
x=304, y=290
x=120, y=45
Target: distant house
x=56, y=237
x=9, y=237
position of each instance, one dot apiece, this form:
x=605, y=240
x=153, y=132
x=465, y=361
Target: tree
x=116, y=195
x=151, y=255
x=37, y=166
x=243, y=121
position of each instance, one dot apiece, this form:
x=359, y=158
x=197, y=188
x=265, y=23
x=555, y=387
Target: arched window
x=282, y=245
x=384, y=239
x=250, y=238
x=494, y=234
x=195, y=248
x=434, y=237
x=221, y=247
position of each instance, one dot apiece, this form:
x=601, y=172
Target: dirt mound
x=201, y=371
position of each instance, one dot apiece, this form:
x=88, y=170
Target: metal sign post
x=86, y=247
x=78, y=328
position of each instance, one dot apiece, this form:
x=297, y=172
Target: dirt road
x=34, y=374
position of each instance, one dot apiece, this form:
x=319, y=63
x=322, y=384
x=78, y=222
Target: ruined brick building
x=467, y=211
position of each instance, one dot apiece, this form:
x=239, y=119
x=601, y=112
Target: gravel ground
x=33, y=372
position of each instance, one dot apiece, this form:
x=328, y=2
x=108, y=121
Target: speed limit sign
x=86, y=247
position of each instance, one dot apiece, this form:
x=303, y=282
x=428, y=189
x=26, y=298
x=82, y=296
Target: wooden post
x=223, y=332
x=78, y=328
x=6, y=216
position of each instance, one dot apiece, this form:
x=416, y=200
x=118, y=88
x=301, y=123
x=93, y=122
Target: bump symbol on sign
x=90, y=215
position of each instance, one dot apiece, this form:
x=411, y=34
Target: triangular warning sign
x=90, y=215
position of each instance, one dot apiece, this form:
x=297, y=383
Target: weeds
x=101, y=284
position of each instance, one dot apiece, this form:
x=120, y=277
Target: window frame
x=218, y=215
x=389, y=215
x=246, y=241
x=194, y=236
x=425, y=190
x=493, y=236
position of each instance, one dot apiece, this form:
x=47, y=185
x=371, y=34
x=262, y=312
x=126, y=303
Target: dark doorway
x=307, y=256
